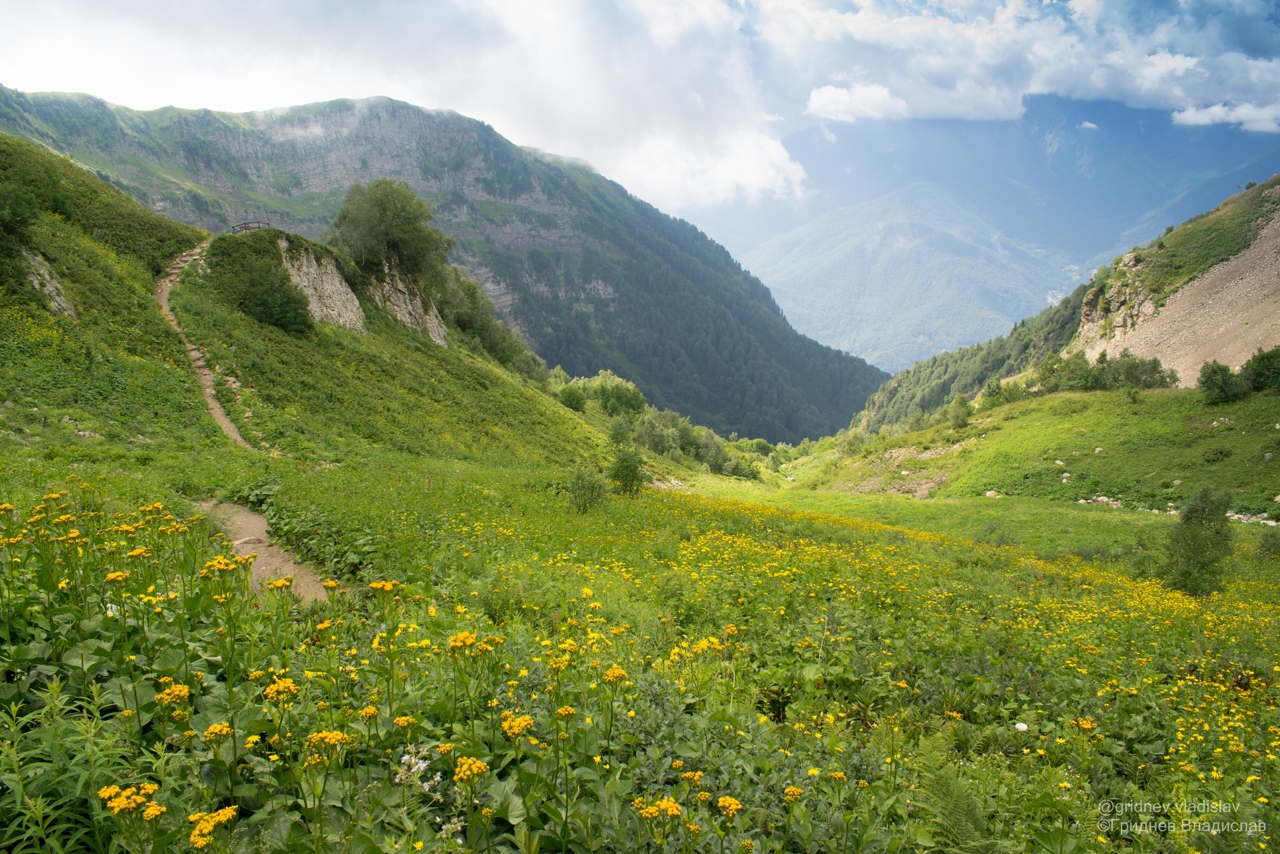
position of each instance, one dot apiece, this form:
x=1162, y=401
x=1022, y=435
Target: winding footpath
x=247, y=529
x=163, y=288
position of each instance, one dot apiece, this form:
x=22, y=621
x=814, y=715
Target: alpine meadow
x=601, y=567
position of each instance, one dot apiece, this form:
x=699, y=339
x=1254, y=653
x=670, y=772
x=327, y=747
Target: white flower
x=1020, y=726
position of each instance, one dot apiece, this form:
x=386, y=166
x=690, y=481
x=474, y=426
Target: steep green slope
x=1150, y=452
x=928, y=385
x=592, y=277
x=106, y=362
x=115, y=368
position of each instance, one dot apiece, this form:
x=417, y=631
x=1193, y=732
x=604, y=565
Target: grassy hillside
x=591, y=276
x=926, y=386
x=493, y=671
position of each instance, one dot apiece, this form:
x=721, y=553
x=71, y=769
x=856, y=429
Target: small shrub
x=1262, y=371
x=573, y=397
x=271, y=297
x=1219, y=384
x=585, y=488
x=1198, y=544
x=627, y=471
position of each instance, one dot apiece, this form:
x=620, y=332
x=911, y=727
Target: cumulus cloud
x=1250, y=117
x=683, y=101
x=858, y=101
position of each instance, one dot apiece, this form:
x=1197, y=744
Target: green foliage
x=271, y=297
x=34, y=180
x=1197, y=546
x=928, y=386
x=585, y=487
x=463, y=304
x=1074, y=373
x=573, y=397
x=959, y=411
x=626, y=471
x=1262, y=371
x=1219, y=384
x=247, y=271
x=385, y=224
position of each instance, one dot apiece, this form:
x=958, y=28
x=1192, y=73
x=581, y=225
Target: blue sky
x=685, y=102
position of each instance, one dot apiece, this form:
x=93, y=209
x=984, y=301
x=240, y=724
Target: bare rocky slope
x=1225, y=314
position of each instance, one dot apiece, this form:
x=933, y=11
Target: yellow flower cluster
x=382, y=586
x=327, y=738
x=462, y=640
x=207, y=823
x=280, y=692
x=127, y=800
x=217, y=732
x=791, y=794
x=566, y=711
x=729, y=806
x=515, y=726
x=280, y=583
x=615, y=674
x=173, y=694
x=467, y=769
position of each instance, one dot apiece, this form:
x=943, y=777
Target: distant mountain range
x=1000, y=215
x=592, y=277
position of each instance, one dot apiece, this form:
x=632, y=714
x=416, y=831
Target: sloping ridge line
x=163, y=287
x=1226, y=314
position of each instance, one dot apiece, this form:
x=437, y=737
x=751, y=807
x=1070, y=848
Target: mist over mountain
x=1071, y=184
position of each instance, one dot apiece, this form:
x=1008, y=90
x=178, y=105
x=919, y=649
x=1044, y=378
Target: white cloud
x=1248, y=116
x=674, y=98
x=858, y=101
x=1088, y=125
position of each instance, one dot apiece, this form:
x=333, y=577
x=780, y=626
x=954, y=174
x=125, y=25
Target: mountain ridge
x=592, y=277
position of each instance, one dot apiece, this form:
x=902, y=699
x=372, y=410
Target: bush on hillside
x=585, y=488
x=627, y=471
x=385, y=223
x=246, y=271
x=271, y=297
x=1219, y=384
x=573, y=397
x=1198, y=544
x=959, y=411
x=1075, y=373
x=1262, y=371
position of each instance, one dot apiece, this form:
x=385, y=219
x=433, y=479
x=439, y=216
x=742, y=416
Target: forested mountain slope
x=592, y=277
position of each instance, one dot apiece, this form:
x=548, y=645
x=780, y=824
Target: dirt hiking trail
x=248, y=530
x=163, y=288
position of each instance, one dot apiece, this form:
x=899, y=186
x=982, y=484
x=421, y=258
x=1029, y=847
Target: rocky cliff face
x=40, y=277
x=397, y=295
x=329, y=299
x=1109, y=314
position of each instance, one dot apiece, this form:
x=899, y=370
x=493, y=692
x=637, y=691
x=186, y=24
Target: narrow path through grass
x=163, y=288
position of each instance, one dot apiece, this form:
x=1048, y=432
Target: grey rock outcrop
x=40, y=277
x=400, y=297
x=329, y=299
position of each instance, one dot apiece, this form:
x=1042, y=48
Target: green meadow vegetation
x=753, y=664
